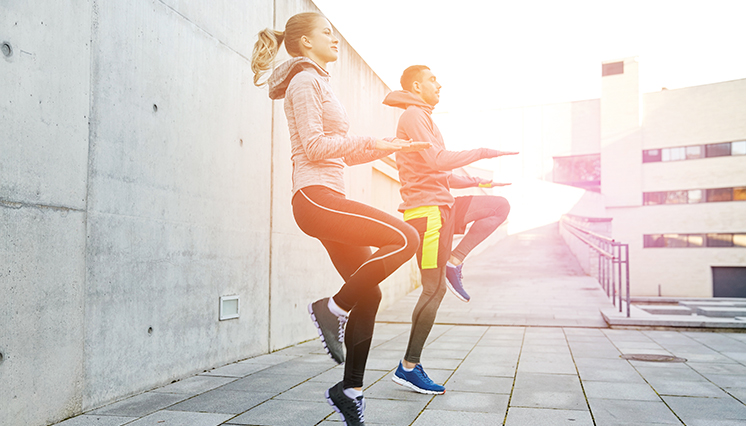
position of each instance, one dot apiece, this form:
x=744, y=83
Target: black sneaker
x=352, y=411
x=331, y=328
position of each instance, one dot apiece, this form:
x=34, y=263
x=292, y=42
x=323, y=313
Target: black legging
x=487, y=213
x=348, y=229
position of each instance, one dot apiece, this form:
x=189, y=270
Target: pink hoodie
x=426, y=176
x=318, y=126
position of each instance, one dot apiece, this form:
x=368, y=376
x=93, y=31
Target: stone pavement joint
x=540, y=354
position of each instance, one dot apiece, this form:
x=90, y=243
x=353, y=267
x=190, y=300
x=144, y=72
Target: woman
x=321, y=147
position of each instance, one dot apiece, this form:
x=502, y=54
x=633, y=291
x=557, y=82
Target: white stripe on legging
x=406, y=242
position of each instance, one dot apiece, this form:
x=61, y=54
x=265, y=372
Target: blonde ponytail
x=265, y=51
x=266, y=48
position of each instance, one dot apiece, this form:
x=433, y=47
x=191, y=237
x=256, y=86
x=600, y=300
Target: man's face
x=428, y=88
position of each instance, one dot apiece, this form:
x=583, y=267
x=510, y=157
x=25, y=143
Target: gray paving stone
x=179, y=418
x=621, y=412
x=607, y=370
x=222, y=401
x=480, y=384
x=452, y=418
x=683, y=388
x=336, y=374
x=700, y=410
x=262, y=382
x=307, y=391
x=549, y=365
x=738, y=392
x=195, y=385
x=616, y=390
x=441, y=364
x=296, y=413
x=656, y=374
x=140, y=405
x=486, y=369
x=270, y=359
x=470, y=401
x=90, y=420
x=387, y=389
x=237, y=370
x=300, y=367
x=518, y=416
x=548, y=391
x=390, y=412
x=726, y=380
x=718, y=368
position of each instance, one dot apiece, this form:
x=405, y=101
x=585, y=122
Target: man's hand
x=402, y=145
x=491, y=184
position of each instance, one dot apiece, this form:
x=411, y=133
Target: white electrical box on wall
x=228, y=307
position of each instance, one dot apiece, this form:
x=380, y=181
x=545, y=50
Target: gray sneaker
x=331, y=328
x=351, y=410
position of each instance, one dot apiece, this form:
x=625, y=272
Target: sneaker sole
x=456, y=293
x=399, y=381
x=329, y=400
x=321, y=333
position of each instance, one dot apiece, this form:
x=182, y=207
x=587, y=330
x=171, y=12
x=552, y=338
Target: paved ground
x=530, y=349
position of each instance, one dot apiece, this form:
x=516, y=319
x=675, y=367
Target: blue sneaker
x=417, y=379
x=453, y=281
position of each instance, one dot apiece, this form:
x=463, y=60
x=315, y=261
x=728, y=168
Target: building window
x=739, y=194
x=583, y=171
x=677, y=197
x=612, y=69
x=738, y=148
x=693, y=152
x=694, y=240
x=693, y=196
x=719, y=240
x=719, y=194
x=651, y=155
x=717, y=149
x=674, y=154
x=653, y=198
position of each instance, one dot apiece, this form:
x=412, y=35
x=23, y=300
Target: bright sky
x=496, y=54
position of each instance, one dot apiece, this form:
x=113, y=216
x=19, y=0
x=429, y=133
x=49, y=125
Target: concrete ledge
x=666, y=310
x=721, y=311
x=641, y=319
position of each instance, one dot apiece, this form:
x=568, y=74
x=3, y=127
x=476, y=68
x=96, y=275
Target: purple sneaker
x=453, y=281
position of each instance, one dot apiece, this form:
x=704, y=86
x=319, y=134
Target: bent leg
x=487, y=213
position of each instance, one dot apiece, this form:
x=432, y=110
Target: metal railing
x=613, y=262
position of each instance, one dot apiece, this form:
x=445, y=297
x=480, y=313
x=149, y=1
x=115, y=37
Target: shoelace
x=360, y=403
x=342, y=323
x=421, y=373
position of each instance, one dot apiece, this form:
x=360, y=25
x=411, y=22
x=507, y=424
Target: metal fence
x=613, y=262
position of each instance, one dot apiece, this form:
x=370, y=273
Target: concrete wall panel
x=42, y=332
x=44, y=102
x=180, y=202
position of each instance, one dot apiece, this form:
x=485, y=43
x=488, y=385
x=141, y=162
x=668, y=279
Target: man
x=428, y=205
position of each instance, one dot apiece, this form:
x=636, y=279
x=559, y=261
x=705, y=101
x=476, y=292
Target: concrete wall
x=143, y=176
x=44, y=109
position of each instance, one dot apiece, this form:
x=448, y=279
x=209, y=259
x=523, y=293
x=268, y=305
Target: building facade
x=668, y=167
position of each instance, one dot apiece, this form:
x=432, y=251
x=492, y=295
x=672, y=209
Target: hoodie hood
x=403, y=99
x=282, y=75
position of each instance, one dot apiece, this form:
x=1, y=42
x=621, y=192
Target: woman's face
x=321, y=44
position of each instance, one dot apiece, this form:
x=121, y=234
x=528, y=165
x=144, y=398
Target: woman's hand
x=401, y=145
